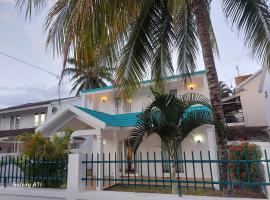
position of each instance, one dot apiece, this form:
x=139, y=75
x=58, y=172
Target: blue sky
x=26, y=40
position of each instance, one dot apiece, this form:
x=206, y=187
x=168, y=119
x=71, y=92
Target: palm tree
x=225, y=91
x=172, y=119
x=88, y=76
x=148, y=31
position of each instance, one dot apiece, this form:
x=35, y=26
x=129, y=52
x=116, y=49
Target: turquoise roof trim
x=127, y=119
x=198, y=108
x=143, y=82
x=121, y=120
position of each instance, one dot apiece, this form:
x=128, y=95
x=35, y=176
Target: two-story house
x=25, y=118
x=103, y=122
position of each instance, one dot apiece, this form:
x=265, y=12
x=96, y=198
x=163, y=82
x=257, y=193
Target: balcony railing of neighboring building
x=233, y=111
x=234, y=117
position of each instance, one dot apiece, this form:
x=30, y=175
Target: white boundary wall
x=47, y=194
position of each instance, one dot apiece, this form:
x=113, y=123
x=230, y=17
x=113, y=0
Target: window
x=36, y=119
x=39, y=118
x=17, y=122
x=127, y=105
x=12, y=122
x=42, y=117
x=165, y=156
x=117, y=104
x=173, y=92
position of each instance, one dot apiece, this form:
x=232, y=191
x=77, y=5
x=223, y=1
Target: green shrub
x=241, y=170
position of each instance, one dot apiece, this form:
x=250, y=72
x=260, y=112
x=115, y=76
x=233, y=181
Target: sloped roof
x=127, y=119
x=15, y=132
x=121, y=120
x=29, y=105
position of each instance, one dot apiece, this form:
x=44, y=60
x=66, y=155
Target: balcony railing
x=234, y=117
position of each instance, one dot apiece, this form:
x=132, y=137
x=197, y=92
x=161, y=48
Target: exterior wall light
x=104, y=99
x=191, y=86
x=198, y=138
x=104, y=142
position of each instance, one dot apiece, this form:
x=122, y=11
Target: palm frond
x=252, y=19
x=31, y=6
x=134, y=54
x=225, y=91
x=194, y=119
x=191, y=99
x=139, y=132
x=162, y=34
x=186, y=40
x=171, y=118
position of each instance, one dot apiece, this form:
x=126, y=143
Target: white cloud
x=35, y=36
x=8, y=1
x=8, y=15
x=11, y=96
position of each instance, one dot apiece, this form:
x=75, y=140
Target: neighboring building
x=103, y=123
x=25, y=118
x=248, y=112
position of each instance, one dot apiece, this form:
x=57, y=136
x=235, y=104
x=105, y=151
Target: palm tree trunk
x=173, y=176
x=201, y=14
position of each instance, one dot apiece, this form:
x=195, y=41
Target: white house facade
x=103, y=122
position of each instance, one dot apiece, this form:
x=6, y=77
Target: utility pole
x=237, y=69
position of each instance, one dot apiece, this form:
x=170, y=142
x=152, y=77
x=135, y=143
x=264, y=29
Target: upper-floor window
x=173, y=92
x=127, y=105
x=39, y=118
x=17, y=122
x=117, y=101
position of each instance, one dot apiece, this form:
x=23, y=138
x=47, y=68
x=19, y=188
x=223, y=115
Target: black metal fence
x=21, y=171
x=158, y=173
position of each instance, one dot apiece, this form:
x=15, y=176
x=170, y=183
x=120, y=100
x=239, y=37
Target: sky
x=25, y=40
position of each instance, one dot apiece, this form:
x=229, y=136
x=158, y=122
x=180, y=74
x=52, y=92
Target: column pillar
x=115, y=144
x=213, y=152
x=49, y=112
x=76, y=171
x=100, y=151
x=84, y=100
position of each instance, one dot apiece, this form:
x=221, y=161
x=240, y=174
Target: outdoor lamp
x=104, y=142
x=191, y=86
x=103, y=99
x=198, y=138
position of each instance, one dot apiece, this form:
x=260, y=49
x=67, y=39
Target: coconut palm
x=148, y=31
x=172, y=119
x=87, y=77
x=225, y=91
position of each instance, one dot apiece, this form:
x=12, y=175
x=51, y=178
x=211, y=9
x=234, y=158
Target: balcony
x=235, y=118
x=233, y=111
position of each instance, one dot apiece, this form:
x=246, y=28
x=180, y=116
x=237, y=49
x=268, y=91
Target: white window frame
x=39, y=118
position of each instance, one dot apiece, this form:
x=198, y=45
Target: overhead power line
x=29, y=64
x=38, y=68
